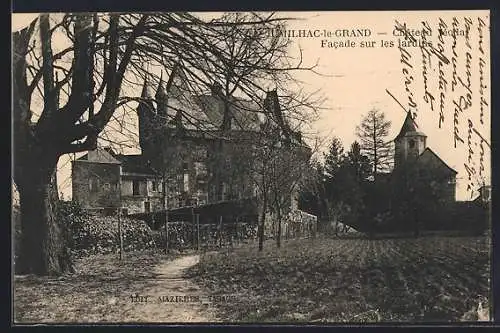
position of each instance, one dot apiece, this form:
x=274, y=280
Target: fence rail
x=188, y=235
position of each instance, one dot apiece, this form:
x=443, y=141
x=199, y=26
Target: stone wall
x=95, y=185
x=135, y=204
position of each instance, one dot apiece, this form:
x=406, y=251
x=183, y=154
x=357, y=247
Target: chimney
x=110, y=151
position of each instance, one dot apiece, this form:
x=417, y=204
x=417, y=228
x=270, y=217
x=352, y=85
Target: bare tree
x=274, y=159
x=96, y=73
x=286, y=168
x=372, y=133
x=248, y=58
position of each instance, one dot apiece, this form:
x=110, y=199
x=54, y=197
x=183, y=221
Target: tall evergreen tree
x=342, y=200
x=359, y=163
x=372, y=133
x=334, y=157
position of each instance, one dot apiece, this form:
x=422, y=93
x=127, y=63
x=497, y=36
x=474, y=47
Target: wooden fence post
x=236, y=240
x=193, y=220
x=120, y=212
x=120, y=233
x=198, y=227
x=220, y=231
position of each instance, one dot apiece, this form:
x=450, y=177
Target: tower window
x=412, y=143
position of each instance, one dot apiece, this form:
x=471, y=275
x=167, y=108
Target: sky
x=355, y=79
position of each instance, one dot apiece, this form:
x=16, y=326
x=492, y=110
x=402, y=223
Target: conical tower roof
x=160, y=92
x=409, y=125
x=145, y=89
x=145, y=104
x=161, y=100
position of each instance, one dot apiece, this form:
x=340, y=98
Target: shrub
x=91, y=234
x=98, y=234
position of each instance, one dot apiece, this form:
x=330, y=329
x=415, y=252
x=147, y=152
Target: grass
x=429, y=279
x=433, y=278
x=99, y=290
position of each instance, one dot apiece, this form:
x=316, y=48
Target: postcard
x=319, y=167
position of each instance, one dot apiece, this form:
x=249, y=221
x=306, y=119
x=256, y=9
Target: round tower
x=409, y=143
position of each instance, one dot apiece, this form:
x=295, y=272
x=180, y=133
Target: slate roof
x=409, y=125
x=135, y=164
x=99, y=155
x=210, y=110
x=130, y=163
x=428, y=151
x=206, y=111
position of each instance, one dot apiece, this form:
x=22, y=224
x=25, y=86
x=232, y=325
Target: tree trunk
x=43, y=249
x=336, y=221
x=262, y=224
x=165, y=209
x=43, y=245
x=416, y=226
x=375, y=151
x=278, y=217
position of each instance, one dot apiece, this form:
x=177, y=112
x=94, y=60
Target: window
x=412, y=143
x=94, y=184
x=179, y=184
x=186, y=182
x=107, y=186
x=199, y=153
x=200, y=169
x=154, y=185
x=135, y=187
x=185, y=166
x=224, y=192
x=147, y=206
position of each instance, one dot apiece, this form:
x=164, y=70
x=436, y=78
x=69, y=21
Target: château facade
x=194, y=151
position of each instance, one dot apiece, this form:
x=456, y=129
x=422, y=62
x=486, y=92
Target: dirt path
x=172, y=298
